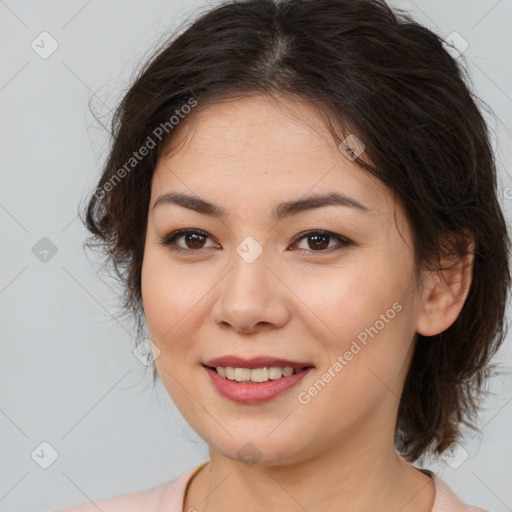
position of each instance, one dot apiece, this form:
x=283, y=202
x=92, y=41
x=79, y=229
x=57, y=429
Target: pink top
x=168, y=497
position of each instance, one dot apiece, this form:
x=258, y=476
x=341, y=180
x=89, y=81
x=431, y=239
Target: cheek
x=169, y=297
x=159, y=286
x=156, y=296
x=361, y=315
x=344, y=301
x=173, y=299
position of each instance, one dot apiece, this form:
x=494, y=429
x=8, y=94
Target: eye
x=320, y=240
x=193, y=239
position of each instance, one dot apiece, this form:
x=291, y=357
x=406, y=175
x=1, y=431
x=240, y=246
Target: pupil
x=194, y=238
x=321, y=246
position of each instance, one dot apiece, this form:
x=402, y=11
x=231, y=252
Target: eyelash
x=169, y=241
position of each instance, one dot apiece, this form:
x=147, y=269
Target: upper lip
x=254, y=362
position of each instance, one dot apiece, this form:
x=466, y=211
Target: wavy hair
x=371, y=71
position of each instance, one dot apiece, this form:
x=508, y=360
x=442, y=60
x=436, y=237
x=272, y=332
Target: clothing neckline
x=191, y=475
x=427, y=472
x=434, y=479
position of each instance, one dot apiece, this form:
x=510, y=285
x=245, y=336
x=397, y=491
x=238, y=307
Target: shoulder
x=447, y=501
x=166, y=497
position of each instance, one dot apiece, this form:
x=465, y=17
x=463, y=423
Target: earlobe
x=445, y=291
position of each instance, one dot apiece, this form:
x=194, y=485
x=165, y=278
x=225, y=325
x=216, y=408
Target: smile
x=268, y=383
x=256, y=374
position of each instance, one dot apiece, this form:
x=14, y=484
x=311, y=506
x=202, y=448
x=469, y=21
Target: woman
x=301, y=201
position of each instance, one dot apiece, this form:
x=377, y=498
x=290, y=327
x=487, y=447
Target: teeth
x=275, y=373
x=287, y=371
x=259, y=375
x=242, y=374
x=255, y=374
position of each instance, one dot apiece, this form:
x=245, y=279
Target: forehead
x=264, y=145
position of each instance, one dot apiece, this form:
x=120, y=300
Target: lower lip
x=256, y=392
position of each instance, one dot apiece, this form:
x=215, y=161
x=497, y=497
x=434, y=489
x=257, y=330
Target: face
x=327, y=286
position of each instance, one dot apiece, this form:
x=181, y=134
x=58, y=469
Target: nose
x=251, y=297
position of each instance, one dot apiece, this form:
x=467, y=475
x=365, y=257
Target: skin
x=294, y=301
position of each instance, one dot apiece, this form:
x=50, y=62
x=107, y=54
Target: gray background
x=68, y=375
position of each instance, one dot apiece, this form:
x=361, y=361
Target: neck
x=353, y=477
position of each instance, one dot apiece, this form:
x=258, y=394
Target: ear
x=445, y=290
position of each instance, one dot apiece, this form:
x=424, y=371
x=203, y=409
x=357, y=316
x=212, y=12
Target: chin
x=260, y=451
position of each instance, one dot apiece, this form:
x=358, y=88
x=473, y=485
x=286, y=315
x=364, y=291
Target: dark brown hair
x=373, y=72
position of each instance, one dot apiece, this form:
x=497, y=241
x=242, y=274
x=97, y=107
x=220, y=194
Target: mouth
x=256, y=369
x=254, y=381
x=256, y=375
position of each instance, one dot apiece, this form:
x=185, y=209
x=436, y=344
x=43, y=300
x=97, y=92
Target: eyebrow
x=281, y=211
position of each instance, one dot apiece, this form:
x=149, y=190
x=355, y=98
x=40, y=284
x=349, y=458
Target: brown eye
x=319, y=241
x=193, y=240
